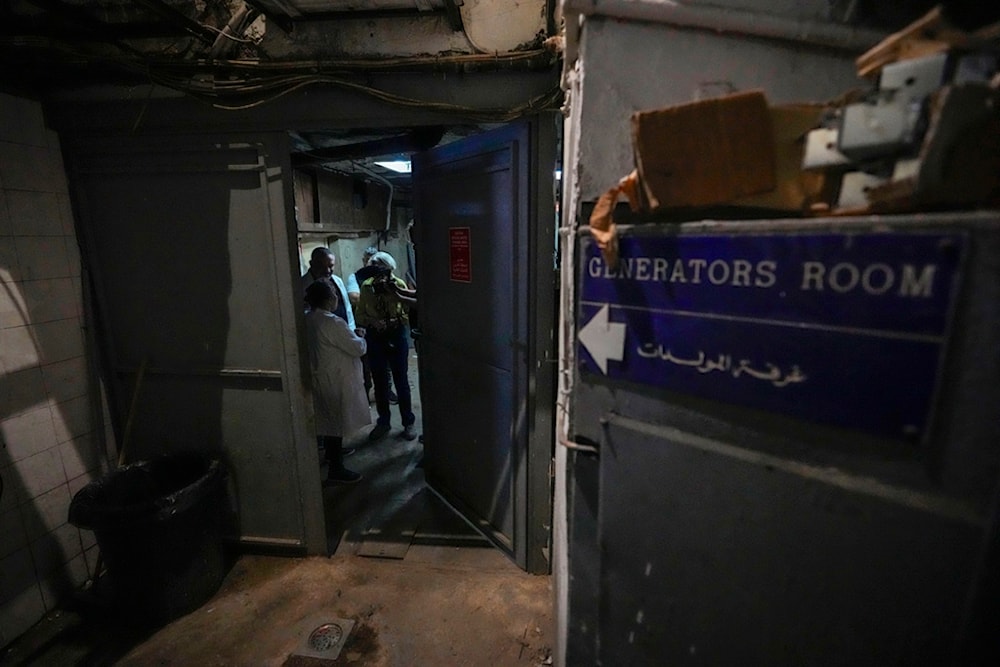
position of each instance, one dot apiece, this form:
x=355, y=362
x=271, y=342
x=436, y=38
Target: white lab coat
x=339, y=397
x=307, y=280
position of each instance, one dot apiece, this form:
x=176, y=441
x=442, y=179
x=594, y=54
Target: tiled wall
x=48, y=442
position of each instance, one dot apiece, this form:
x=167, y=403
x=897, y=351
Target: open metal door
x=484, y=225
x=188, y=245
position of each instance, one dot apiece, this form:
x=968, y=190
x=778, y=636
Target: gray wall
x=773, y=540
x=630, y=67
x=51, y=442
x=702, y=532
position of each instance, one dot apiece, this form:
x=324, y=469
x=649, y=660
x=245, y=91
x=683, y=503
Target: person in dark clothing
x=354, y=282
x=382, y=311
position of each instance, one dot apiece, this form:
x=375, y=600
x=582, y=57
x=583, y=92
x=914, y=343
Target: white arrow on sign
x=603, y=340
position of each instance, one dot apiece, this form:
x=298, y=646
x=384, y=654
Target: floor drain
x=324, y=637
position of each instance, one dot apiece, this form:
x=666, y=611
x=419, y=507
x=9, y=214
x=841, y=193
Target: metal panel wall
x=769, y=539
x=189, y=247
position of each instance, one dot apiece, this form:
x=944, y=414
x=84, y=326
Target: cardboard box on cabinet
x=735, y=150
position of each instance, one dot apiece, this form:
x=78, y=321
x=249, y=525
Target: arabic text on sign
x=724, y=362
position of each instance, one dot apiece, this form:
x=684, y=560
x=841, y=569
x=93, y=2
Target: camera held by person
x=382, y=282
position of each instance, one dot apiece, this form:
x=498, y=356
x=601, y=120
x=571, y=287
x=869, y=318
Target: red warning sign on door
x=460, y=254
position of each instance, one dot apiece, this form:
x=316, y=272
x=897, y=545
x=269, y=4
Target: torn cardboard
x=704, y=153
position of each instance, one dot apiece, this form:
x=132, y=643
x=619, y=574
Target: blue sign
x=846, y=329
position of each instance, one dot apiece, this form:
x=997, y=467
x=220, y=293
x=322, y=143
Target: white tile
x=48, y=300
x=17, y=572
x=10, y=115
x=9, y=269
x=76, y=291
x=27, y=123
x=92, y=553
x=51, y=552
x=18, y=614
x=89, y=542
x=78, y=571
x=54, y=143
x=54, y=177
x=18, y=349
x=66, y=379
x=72, y=419
x=34, y=213
x=45, y=513
x=58, y=172
x=70, y=542
x=58, y=587
x=58, y=166
x=41, y=473
x=25, y=167
x=42, y=257
x=13, y=306
x=12, y=495
x=32, y=124
x=4, y=218
x=7, y=129
x=59, y=340
x=73, y=256
x=77, y=483
x=27, y=434
x=79, y=456
x=12, y=529
x=21, y=392
x=66, y=214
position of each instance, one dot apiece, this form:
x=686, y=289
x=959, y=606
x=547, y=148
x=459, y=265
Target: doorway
x=471, y=486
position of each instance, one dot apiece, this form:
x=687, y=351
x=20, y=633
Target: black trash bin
x=158, y=526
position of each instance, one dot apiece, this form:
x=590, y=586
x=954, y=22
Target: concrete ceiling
x=242, y=53
x=61, y=43
x=358, y=151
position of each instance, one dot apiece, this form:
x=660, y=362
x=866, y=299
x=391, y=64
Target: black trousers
x=388, y=354
x=332, y=451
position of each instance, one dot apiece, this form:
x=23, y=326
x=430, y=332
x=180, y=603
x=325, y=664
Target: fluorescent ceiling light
x=399, y=166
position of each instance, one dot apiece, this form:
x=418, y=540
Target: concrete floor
x=420, y=585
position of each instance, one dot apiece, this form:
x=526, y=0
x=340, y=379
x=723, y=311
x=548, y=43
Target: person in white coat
x=339, y=399
x=321, y=266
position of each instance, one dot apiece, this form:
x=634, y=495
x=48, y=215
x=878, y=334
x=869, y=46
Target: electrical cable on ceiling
x=242, y=84
x=534, y=58
x=269, y=89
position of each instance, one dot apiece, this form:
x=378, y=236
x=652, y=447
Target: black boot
x=336, y=472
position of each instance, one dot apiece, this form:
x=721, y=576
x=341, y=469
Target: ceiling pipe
x=285, y=21
x=230, y=35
